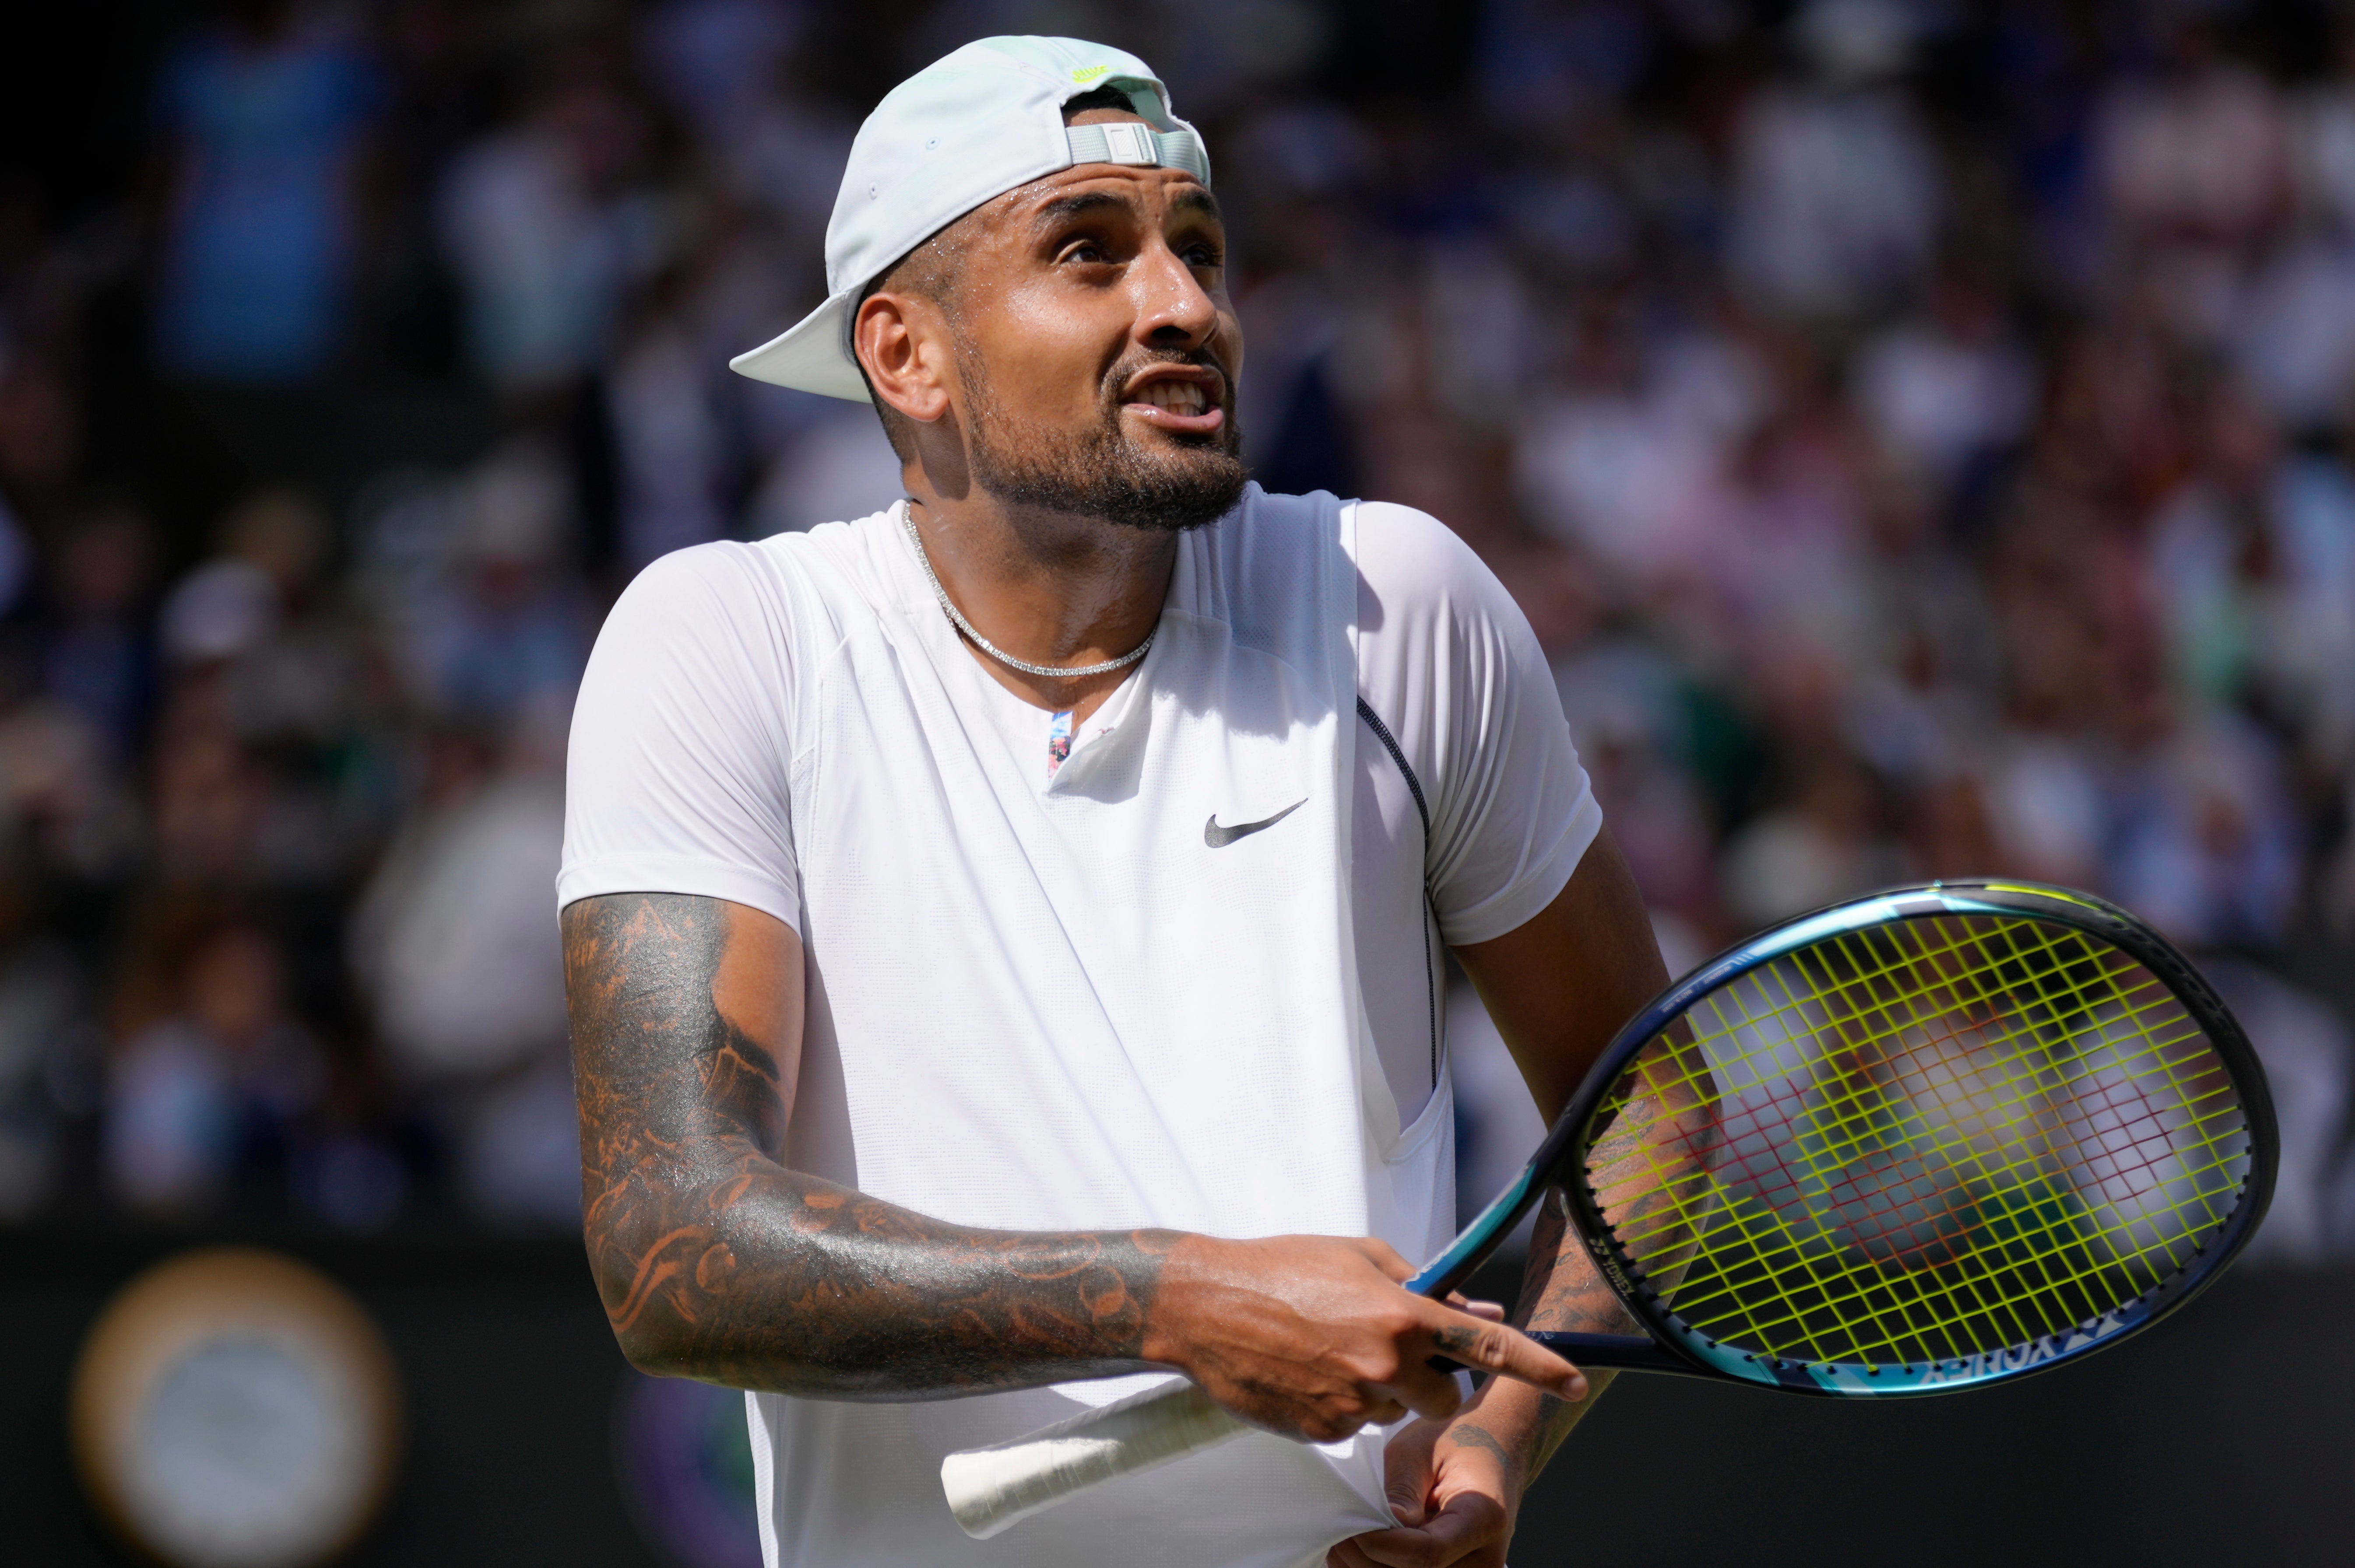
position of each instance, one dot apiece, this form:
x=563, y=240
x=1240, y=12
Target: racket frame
x=1676, y=1346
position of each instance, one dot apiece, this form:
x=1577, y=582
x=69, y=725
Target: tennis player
x=1004, y=933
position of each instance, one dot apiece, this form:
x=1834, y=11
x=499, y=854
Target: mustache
x=1131, y=366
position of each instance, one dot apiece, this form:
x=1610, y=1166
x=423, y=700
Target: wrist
x=1507, y=1410
x=1486, y=1448
x=1191, y=1266
x=1526, y=1424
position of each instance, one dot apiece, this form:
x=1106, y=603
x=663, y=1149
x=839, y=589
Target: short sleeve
x=1449, y=659
x=681, y=747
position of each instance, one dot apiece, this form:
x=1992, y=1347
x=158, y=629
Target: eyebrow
x=1198, y=198
x=1065, y=208
x=1079, y=204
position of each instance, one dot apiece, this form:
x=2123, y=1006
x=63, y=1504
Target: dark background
x=2222, y=1436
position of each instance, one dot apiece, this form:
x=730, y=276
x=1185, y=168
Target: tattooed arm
x=1559, y=989
x=716, y=1260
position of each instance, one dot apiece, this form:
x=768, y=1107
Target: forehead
x=1147, y=193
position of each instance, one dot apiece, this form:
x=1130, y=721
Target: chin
x=1175, y=494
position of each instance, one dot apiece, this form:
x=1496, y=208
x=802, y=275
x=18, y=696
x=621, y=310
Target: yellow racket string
x=1984, y=1174
x=1852, y=1096
x=1918, y=1143
x=2170, y=1001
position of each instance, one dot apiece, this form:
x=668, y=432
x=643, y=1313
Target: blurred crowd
x=1919, y=433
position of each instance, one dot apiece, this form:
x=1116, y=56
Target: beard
x=1101, y=472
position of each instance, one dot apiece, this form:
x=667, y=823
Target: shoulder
x=789, y=598
x=779, y=577
x=1406, y=544
x=723, y=577
x=1414, y=571
x=725, y=602
x=1445, y=655
x=1402, y=553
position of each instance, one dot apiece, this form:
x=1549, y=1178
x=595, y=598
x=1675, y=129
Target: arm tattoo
x=1471, y=1434
x=717, y=1262
x=1562, y=1290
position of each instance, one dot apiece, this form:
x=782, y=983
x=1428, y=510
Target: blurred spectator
x=716, y=62
x=1835, y=192
x=1819, y=845
x=208, y=1102
x=1946, y=387
x=672, y=444
x=1629, y=460
x=549, y=221
x=268, y=669
x=98, y=661
x=500, y=628
x=261, y=120
x=449, y=938
x=48, y=1051
x=63, y=802
x=456, y=945
x=839, y=467
x=2305, y=1047
x=1628, y=705
x=2197, y=166
x=2203, y=845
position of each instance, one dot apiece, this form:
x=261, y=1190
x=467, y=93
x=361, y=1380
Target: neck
x=1046, y=587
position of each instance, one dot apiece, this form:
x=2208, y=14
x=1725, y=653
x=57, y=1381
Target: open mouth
x=1181, y=402
x=1175, y=396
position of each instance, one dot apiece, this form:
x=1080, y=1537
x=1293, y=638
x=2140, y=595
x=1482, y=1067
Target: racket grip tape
x=991, y=1488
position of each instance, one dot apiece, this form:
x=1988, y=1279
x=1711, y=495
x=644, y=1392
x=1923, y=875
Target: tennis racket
x=1924, y=1141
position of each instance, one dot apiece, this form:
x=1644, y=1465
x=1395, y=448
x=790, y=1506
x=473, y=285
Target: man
x=1000, y=932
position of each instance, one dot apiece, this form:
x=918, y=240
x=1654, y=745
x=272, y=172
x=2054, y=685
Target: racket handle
x=1620, y=1352
x=990, y=1488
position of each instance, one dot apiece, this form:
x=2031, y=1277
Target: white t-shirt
x=1048, y=999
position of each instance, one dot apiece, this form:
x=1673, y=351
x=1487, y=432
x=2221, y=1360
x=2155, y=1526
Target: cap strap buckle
x=1128, y=143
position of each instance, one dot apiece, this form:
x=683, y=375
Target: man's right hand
x=1311, y=1337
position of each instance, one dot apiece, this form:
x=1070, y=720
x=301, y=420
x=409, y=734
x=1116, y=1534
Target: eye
x=1086, y=251
x=1202, y=253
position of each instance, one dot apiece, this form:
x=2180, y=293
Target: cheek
x=1048, y=352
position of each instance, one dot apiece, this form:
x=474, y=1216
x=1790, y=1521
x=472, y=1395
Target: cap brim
x=812, y=356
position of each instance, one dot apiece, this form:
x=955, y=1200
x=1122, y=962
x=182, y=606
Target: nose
x=1173, y=309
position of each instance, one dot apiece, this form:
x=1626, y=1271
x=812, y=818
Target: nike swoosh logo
x=1219, y=838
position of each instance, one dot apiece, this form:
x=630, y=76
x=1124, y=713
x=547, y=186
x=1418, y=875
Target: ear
x=901, y=343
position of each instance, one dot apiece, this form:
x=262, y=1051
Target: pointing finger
x=1507, y=1352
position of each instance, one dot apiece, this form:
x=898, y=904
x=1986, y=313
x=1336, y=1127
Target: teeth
x=1175, y=396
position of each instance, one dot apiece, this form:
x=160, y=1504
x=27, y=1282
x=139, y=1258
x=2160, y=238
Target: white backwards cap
x=968, y=127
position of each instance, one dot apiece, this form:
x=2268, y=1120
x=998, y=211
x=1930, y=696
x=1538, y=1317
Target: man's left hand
x=1455, y=1490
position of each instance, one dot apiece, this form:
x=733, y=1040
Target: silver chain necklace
x=1068, y=672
